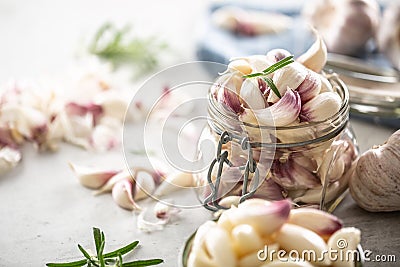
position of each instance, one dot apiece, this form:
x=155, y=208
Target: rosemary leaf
x=122, y=250
x=67, y=264
x=100, y=255
x=271, y=69
x=97, y=238
x=140, y=263
x=87, y=256
x=272, y=86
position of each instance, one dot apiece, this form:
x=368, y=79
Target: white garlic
x=277, y=54
x=227, y=92
x=310, y=87
x=174, y=182
x=374, y=185
x=345, y=25
x=251, y=94
x=321, y=107
x=315, y=57
x=123, y=194
x=92, y=177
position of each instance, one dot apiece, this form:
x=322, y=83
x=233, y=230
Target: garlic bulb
x=345, y=25
x=389, y=34
x=374, y=184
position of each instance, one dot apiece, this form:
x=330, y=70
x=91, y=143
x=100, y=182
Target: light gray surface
x=44, y=212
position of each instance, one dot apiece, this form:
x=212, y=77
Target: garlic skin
x=388, y=36
x=315, y=57
x=9, y=158
x=345, y=25
x=251, y=94
x=321, y=107
x=92, y=178
x=374, y=182
x=284, y=112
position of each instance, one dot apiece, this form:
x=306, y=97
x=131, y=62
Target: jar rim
x=343, y=109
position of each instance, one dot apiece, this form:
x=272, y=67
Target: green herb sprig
x=109, y=259
x=271, y=69
x=272, y=86
x=116, y=46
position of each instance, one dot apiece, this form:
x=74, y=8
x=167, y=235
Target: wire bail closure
x=211, y=201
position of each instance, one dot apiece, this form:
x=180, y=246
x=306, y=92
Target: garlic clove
x=326, y=86
x=251, y=94
x=241, y=66
x=112, y=104
x=344, y=241
x=284, y=112
x=315, y=57
x=258, y=63
x=201, y=233
x=290, y=76
x=228, y=95
x=123, y=194
x=219, y=245
x=245, y=239
x=310, y=87
x=320, y=222
x=9, y=158
x=321, y=107
x=228, y=201
x=266, y=217
x=270, y=190
x=277, y=54
x=107, y=187
x=164, y=211
x=174, y=182
x=199, y=258
x=292, y=237
x=91, y=177
x=289, y=262
x=144, y=185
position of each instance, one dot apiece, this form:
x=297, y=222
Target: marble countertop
x=44, y=212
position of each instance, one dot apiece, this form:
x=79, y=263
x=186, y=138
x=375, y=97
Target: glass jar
x=310, y=163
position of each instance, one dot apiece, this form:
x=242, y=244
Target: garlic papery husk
x=91, y=177
x=310, y=87
x=388, y=35
x=277, y=54
x=320, y=222
x=292, y=237
x=321, y=107
x=345, y=25
x=9, y=158
x=251, y=94
x=374, y=185
x=165, y=212
x=291, y=175
x=269, y=189
x=123, y=194
x=284, y=112
x=345, y=242
x=315, y=57
x=227, y=93
x=290, y=76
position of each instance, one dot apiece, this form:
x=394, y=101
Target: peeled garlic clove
x=218, y=244
x=123, y=194
x=374, y=185
x=228, y=201
x=245, y=239
x=310, y=87
x=388, y=35
x=241, y=66
x=293, y=237
x=200, y=258
x=318, y=221
x=265, y=218
x=345, y=239
x=315, y=57
x=201, y=233
x=284, y=112
x=174, y=182
x=277, y=54
x=9, y=158
x=251, y=94
x=321, y=107
x=290, y=76
x=289, y=263
x=91, y=177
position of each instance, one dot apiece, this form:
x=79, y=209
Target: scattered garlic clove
x=123, y=194
x=144, y=185
x=112, y=104
x=91, y=177
x=277, y=54
x=315, y=57
x=310, y=87
x=345, y=240
x=320, y=222
x=290, y=76
x=174, y=182
x=388, y=35
x=9, y=158
x=245, y=239
x=284, y=112
x=107, y=187
x=321, y=107
x=266, y=217
x=251, y=94
x=293, y=237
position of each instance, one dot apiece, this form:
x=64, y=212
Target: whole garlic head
x=374, y=184
x=345, y=25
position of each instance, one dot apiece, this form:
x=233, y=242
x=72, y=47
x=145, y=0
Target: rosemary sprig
x=271, y=69
x=115, y=45
x=113, y=258
x=272, y=86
